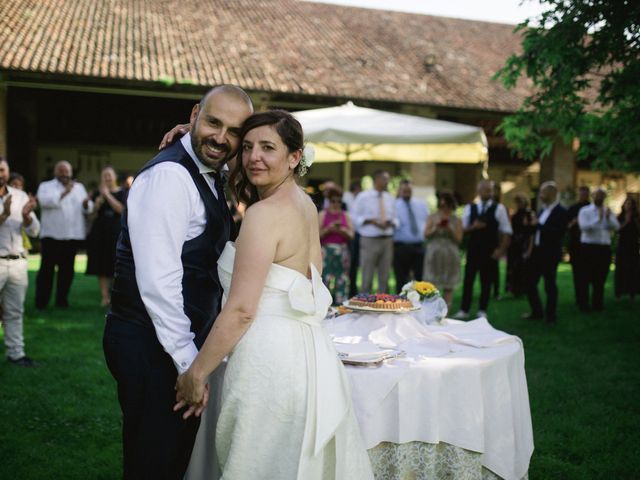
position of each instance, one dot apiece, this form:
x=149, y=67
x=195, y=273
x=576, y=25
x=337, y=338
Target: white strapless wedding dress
x=286, y=411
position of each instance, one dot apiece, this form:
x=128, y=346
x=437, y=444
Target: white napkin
x=423, y=348
x=476, y=333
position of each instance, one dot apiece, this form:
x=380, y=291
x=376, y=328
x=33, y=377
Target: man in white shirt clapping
x=16, y=212
x=64, y=203
x=596, y=223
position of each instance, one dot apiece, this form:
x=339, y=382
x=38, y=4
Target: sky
x=501, y=11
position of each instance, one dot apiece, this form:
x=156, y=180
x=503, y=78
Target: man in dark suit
x=166, y=290
x=486, y=224
x=550, y=227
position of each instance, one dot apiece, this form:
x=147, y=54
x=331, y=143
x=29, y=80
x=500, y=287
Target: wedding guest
x=574, y=246
x=408, y=238
x=354, y=246
x=355, y=187
x=550, y=226
x=64, y=203
x=596, y=222
x=16, y=181
x=627, y=274
x=166, y=291
x=487, y=225
x=375, y=219
x=325, y=188
x=443, y=232
x=336, y=231
x=109, y=202
x=495, y=280
x=16, y=213
x=519, y=247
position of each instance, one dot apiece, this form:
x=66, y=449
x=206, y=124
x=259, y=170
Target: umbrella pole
x=346, y=173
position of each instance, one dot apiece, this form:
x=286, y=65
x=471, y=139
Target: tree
x=583, y=59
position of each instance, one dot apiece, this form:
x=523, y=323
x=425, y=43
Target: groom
x=166, y=291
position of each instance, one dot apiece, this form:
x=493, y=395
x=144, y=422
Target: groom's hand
x=192, y=394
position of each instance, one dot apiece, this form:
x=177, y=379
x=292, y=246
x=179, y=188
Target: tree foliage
x=583, y=59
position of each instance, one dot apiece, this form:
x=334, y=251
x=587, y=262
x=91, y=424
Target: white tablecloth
x=462, y=383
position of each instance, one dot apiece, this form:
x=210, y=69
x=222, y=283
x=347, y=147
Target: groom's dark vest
x=201, y=289
x=483, y=242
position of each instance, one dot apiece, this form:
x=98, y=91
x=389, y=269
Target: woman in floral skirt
x=336, y=231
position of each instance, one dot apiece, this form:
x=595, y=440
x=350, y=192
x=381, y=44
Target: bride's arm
x=255, y=251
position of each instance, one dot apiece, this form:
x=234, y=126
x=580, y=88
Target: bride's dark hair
x=289, y=130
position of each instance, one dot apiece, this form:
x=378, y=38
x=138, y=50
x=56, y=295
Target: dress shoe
x=461, y=315
x=22, y=362
x=531, y=316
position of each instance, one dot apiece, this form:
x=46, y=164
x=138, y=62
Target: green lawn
x=61, y=420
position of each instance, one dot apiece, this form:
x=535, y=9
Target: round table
x=455, y=406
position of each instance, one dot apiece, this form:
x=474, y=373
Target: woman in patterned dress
x=336, y=231
x=442, y=259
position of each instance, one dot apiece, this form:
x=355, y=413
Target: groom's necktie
x=381, y=211
x=219, y=180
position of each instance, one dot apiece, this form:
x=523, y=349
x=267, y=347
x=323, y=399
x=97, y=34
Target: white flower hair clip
x=308, y=156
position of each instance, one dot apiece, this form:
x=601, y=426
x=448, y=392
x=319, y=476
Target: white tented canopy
x=351, y=133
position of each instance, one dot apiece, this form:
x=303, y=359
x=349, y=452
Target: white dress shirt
x=595, y=230
x=544, y=215
x=63, y=219
x=501, y=216
x=367, y=207
x=420, y=211
x=348, y=198
x=10, y=230
x=164, y=211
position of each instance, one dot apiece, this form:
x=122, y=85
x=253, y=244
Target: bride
x=286, y=409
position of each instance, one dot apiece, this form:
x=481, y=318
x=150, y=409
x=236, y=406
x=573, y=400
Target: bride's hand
x=191, y=392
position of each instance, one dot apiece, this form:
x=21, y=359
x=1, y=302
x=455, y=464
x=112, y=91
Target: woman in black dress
x=520, y=246
x=627, y=276
x=109, y=201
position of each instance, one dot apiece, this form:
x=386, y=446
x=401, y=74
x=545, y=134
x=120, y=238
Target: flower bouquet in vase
x=425, y=295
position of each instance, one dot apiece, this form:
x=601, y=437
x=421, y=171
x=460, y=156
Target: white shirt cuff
x=183, y=357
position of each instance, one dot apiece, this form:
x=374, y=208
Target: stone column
x=423, y=178
x=423, y=174
x=560, y=166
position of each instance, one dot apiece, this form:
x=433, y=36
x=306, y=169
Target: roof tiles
x=281, y=46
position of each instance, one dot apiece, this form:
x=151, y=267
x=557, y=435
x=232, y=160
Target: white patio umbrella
x=349, y=133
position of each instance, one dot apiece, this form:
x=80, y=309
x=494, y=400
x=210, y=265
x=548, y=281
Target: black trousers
x=574, y=258
x=157, y=442
x=61, y=254
x=485, y=265
x=541, y=266
x=354, y=246
x=594, y=263
x=408, y=258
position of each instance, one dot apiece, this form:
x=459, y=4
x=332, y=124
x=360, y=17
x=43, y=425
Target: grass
x=62, y=420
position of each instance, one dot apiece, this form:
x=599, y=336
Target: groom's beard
x=199, y=147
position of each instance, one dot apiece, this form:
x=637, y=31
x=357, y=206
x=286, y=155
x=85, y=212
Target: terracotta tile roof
x=281, y=46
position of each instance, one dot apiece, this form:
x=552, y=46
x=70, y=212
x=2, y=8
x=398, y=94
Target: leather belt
x=11, y=257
